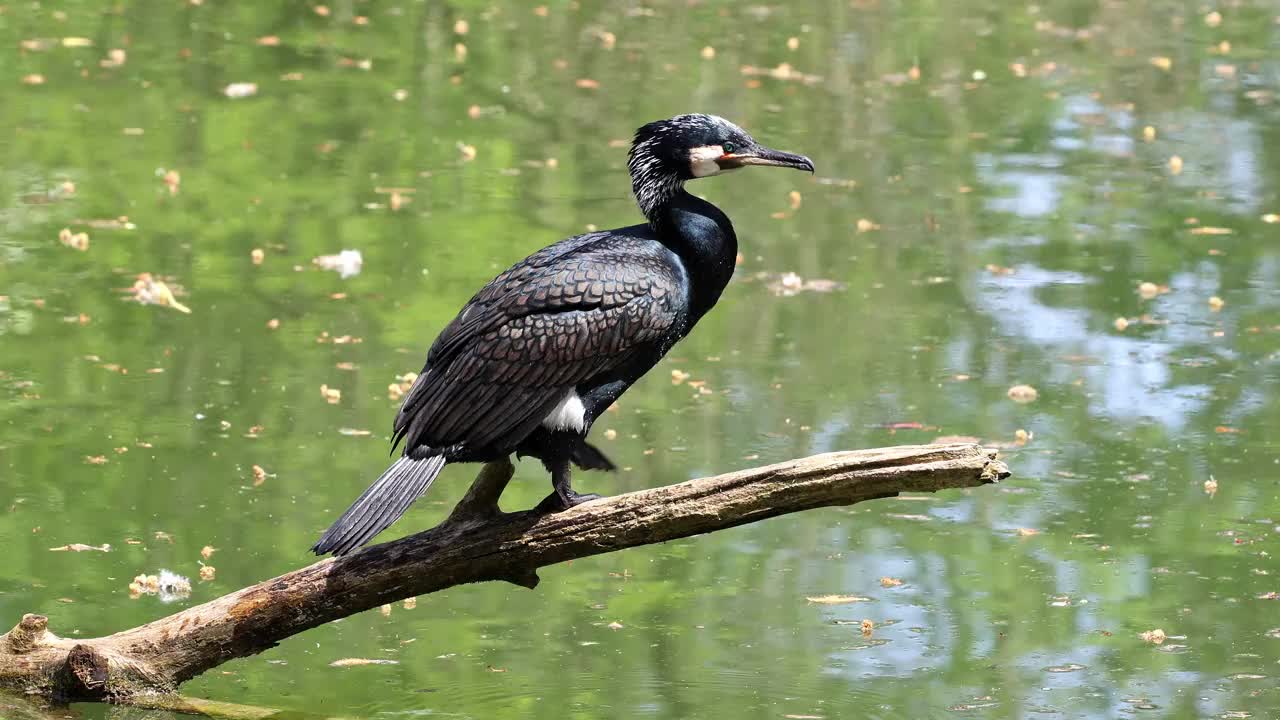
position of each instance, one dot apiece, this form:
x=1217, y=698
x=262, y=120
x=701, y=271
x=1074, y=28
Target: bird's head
x=666, y=153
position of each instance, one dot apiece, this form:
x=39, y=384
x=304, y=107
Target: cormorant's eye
x=728, y=148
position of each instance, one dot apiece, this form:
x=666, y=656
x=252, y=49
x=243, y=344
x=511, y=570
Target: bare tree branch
x=477, y=542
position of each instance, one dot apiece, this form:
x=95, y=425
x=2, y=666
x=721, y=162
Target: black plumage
x=534, y=357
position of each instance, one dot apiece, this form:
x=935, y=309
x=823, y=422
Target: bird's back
x=571, y=311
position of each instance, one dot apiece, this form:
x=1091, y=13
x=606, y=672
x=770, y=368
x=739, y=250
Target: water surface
x=995, y=184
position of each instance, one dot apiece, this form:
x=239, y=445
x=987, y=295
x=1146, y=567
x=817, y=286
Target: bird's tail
x=588, y=457
x=381, y=504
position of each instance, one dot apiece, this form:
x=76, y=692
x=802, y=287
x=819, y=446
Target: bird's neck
x=701, y=236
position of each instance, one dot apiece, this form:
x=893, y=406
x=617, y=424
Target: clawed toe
x=555, y=503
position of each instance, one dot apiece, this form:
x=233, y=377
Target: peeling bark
x=478, y=542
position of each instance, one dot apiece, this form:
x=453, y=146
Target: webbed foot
x=559, y=502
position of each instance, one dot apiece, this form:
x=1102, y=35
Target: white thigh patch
x=568, y=414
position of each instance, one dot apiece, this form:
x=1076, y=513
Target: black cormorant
x=534, y=358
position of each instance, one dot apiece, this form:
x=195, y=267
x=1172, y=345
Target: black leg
x=564, y=496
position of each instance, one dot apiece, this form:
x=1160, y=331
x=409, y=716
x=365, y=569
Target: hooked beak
x=764, y=156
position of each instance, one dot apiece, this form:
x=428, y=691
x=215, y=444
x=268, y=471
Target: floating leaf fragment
x=1175, y=165
x=836, y=599
x=867, y=626
x=346, y=263
x=169, y=586
x=239, y=90
x=207, y=572
x=148, y=290
x=783, y=71
x=115, y=58
x=788, y=284
x=355, y=662
x=81, y=547
x=397, y=389
x=889, y=582
x=1216, y=303
x=333, y=396
x=77, y=241
x=1155, y=637
x=1023, y=394
x=207, y=551
x=1211, y=486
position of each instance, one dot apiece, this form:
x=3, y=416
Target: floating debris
x=1155, y=637
x=1023, y=394
x=354, y=662
x=837, y=599
x=890, y=582
x=784, y=71
x=81, y=547
x=76, y=241
x=238, y=90
x=148, y=290
x=346, y=263
x=397, y=389
x=207, y=572
x=169, y=586
x=1211, y=486
x=788, y=284
x=333, y=396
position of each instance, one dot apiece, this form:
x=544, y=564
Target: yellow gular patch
x=702, y=160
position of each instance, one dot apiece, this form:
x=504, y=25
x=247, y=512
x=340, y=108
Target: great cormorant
x=541, y=351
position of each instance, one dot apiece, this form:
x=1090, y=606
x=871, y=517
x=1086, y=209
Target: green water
x=1019, y=146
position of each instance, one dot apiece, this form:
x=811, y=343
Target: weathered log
x=477, y=542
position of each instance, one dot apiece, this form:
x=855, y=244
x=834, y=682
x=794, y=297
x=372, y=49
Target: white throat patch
x=568, y=414
x=702, y=160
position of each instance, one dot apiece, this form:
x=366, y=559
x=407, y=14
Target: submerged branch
x=476, y=543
